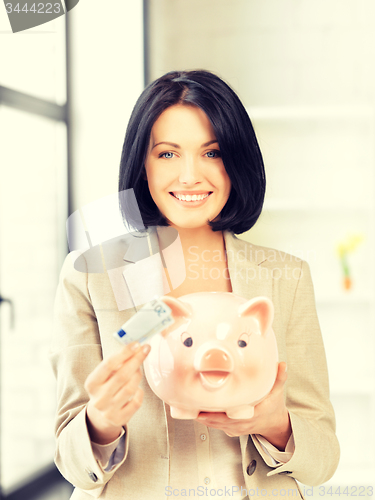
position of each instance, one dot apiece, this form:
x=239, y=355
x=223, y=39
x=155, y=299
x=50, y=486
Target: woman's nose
x=189, y=171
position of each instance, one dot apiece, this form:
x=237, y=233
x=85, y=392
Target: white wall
x=274, y=52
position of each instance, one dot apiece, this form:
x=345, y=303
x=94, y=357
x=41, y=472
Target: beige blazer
x=86, y=315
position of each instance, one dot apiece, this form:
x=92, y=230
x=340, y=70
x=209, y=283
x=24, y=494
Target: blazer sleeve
x=75, y=352
x=317, y=452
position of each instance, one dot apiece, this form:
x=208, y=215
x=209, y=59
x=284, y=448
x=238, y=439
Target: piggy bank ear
x=260, y=308
x=180, y=310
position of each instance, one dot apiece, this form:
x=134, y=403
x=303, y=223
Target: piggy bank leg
x=241, y=412
x=183, y=414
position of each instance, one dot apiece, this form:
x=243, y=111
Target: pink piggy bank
x=220, y=355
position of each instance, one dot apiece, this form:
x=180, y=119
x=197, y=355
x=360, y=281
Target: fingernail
x=134, y=346
x=146, y=348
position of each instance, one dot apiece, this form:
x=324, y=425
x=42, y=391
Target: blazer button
x=92, y=476
x=251, y=467
x=285, y=472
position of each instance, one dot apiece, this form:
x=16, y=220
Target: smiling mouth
x=191, y=198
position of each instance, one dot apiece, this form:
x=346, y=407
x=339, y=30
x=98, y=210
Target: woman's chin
x=183, y=224
x=192, y=222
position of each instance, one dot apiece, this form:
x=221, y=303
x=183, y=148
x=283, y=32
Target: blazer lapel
x=249, y=278
x=143, y=273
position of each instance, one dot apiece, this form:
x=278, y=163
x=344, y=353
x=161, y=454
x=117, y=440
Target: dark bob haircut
x=234, y=132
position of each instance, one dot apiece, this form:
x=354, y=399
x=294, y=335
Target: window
x=33, y=210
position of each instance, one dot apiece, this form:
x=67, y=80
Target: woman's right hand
x=115, y=395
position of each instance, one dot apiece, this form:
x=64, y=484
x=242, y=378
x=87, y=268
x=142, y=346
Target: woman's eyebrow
x=178, y=147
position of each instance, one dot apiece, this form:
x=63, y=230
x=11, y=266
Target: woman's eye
x=214, y=154
x=163, y=155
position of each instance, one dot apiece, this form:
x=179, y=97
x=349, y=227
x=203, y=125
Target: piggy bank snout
x=213, y=359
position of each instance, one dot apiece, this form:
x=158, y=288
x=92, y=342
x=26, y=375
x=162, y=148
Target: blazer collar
x=145, y=276
x=139, y=245
x=250, y=277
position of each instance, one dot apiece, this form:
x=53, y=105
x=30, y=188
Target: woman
x=191, y=156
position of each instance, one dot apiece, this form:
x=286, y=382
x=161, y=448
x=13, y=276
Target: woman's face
x=185, y=173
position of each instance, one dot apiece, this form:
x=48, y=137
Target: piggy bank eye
x=186, y=339
x=243, y=340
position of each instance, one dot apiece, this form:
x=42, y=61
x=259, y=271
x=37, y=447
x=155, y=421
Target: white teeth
x=189, y=197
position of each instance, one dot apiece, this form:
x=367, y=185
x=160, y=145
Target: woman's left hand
x=271, y=417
